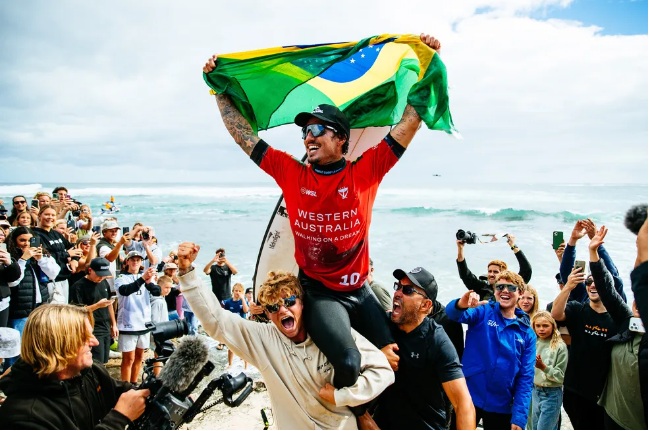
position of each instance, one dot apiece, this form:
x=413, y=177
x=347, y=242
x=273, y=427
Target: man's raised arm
x=237, y=125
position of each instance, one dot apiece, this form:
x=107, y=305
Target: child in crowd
x=159, y=311
x=551, y=363
x=237, y=304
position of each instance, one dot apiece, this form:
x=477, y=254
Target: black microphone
x=184, y=364
x=635, y=217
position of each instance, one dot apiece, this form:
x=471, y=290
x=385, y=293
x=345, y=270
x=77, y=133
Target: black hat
x=101, y=267
x=420, y=278
x=328, y=113
x=2, y=208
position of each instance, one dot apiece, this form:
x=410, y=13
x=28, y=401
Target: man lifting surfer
x=329, y=202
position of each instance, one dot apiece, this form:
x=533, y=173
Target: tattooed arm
x=237, y=125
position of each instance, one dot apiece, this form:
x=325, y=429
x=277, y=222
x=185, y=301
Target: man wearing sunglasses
x=500, y=353
x=329, y=202
x=298, y=374
x=429, y=366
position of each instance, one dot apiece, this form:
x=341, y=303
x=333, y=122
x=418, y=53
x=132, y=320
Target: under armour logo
x=317, y=110
x=343, y=192
x=414, y=355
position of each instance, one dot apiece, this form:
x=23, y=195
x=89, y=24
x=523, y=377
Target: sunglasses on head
x=510, y=287
x=287, y=302
x=316, y=130
x=408, y=289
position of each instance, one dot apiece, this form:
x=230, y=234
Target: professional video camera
x=169, y=405
x=466, y=237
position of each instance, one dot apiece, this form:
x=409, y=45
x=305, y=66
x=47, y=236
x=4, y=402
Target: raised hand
x=576, y=276
x=598, y=238
x=431, y=41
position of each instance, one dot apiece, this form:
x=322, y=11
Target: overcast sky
x=541, y=90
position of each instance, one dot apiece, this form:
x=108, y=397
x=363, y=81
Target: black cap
x=2, y=208
x=101, y=267
x=420, y=278
x=328, y=113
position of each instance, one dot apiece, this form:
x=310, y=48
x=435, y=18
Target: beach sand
x=246, y=416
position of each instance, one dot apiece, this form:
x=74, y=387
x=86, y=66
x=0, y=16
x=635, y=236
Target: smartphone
x=35, y=203
x=581, y=264
x=635, y=325
x=35, y=241
x=71, y=224
x=3, y=246
x=557, y=239
x=55, y=196
x=125, y=229
x=96, y=229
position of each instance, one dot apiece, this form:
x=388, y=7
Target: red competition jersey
x=330, y=214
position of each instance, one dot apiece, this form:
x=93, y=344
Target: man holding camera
x=56, y=385
x=147, y=246
x=220, y=271
x=484, y=288
x=109, y=247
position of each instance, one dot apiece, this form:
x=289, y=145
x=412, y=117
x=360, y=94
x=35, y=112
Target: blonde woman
x=550, y=369
x=529, y=301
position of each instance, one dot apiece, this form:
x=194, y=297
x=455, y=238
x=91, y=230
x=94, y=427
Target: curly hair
x=512, y=277
x=278, y=284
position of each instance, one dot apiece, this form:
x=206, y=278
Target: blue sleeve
x=524, y=382
x=468, y=315
x=567, y=263
x=617, y=280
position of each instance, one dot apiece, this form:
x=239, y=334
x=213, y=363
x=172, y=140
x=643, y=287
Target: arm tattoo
x=405, y=130
x=237, y=125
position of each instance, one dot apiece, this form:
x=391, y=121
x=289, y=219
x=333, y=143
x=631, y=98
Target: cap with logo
x=328, y=113
x=133, y=254
x=420, y=278
x=101, y=267
x=3, y=209
x=109, y=224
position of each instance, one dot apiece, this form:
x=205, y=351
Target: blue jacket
x=498, y=360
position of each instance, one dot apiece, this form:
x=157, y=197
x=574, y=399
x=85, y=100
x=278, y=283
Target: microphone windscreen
x=9, y=342
x=635, y=217
x=184, y=363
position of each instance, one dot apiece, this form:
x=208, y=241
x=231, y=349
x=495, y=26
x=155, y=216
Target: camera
x=467, y=237
x=145, y=235
x=169, y=406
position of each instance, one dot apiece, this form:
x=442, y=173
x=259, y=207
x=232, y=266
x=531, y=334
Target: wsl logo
x=343, y=192
x=308, y=192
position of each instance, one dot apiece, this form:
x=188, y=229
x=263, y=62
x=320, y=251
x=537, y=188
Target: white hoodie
x=293, y=373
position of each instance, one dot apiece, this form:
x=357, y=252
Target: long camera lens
x=163, y=331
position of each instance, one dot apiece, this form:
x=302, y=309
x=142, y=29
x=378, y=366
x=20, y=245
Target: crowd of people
x=334, y=350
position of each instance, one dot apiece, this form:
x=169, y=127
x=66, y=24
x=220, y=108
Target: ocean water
x=410, y=227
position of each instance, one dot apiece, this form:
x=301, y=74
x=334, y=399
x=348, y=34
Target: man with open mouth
x=299, y=376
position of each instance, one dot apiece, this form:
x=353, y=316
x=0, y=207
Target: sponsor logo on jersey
x=492, y=323
x=308, y=192
x=343, y=192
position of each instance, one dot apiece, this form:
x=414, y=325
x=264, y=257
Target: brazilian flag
x=371, y=81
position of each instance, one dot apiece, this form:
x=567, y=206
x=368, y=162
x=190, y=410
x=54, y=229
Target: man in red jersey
x=329, y=203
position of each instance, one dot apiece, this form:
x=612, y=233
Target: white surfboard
x=277, y=249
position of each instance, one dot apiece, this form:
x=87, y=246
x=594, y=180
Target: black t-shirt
x=416, y=400
x=85, y=292
x=220, y=277
x=171, y=299
x=589, y=356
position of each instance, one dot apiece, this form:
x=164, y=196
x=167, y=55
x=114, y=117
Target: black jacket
x=452, y=328
x=639, y=287
x=23, y=295
x=482, y=287
x=8, y=273
x=83, y=402
x=58, y=247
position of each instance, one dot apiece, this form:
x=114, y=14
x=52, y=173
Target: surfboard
x=277, y=248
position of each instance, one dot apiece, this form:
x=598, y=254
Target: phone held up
x=581, y=264
x=125, y=230
x=35, y=241
x=35, y=203
x=3, y=246
x=557, y=239
x=96, y=229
